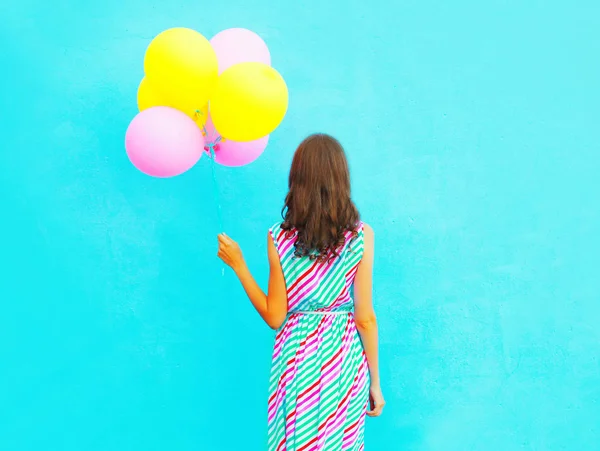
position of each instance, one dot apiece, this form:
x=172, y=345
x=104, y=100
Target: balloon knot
x=211, y=148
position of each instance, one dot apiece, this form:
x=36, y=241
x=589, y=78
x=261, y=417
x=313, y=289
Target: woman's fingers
x=225, y=240
x=223, y=246
x=371, y=413
x=228, y=250
x=371, y=409
x=374, y=413
x=376, y=408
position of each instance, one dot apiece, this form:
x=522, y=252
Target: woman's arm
x=366, y=321
x=272, y=307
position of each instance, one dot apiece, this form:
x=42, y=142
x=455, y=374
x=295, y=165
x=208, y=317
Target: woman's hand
x=230, y=252
x=376, y=402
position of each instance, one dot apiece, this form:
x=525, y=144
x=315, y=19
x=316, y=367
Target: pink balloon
x=163, y=142
x=233, y=153
x=238, y=45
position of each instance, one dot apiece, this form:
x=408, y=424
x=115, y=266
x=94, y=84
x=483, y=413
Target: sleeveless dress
x=319, y=386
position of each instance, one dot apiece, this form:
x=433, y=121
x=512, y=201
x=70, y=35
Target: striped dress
x=319, y=383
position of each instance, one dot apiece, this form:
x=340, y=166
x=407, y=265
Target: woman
x=325, y=360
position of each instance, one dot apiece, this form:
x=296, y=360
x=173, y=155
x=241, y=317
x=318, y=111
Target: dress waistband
x=308, y=312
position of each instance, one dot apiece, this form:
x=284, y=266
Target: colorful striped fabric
x=319, y=379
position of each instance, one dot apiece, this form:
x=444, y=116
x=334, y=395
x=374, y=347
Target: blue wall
x=472, y=129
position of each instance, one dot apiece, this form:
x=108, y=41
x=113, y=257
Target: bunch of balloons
x=219, y=97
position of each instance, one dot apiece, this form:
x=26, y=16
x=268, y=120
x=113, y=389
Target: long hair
x=318, y=206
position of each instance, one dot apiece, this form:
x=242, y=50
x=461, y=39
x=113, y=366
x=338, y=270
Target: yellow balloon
x=182, y=65
x=249, y=102
x=148, y=96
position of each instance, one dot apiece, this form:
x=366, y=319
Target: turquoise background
x=472, y=130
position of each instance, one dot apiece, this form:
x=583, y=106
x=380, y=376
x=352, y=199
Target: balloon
x=148, y=96
x=163, y=142
x=238, y=45
x=249, y=102
x=234, y=153
x=182, y=65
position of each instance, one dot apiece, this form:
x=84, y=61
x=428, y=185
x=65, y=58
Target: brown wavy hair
x=318, y=206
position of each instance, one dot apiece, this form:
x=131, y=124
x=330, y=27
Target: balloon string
x=213, y=157
x=210, y=147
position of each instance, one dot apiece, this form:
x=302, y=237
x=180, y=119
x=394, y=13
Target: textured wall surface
x=472, y=129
